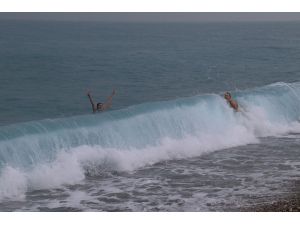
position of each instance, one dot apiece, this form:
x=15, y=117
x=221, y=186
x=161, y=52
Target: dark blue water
x=170, y=141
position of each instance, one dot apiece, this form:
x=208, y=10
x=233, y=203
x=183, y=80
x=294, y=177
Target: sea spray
x=51, y=153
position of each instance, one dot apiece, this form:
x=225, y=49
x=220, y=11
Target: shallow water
x=225, y=180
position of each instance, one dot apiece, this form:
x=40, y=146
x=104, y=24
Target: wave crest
x=50, y=153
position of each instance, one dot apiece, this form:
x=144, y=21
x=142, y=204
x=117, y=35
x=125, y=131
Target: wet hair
x=227, y=93
x=99, y=105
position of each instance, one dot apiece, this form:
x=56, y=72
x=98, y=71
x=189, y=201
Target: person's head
x=227, y=96
x=99, y=105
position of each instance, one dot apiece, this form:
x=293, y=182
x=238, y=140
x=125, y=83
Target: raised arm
x=91, y=101
x=108, y=102
x=109, y=98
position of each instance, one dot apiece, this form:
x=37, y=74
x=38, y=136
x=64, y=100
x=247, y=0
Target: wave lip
x=51, y=153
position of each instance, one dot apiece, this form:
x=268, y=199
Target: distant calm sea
x=170, y=142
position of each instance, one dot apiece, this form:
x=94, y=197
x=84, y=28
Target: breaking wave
x=50, y=153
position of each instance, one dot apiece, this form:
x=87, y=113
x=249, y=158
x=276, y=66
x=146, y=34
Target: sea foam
x=52, y=153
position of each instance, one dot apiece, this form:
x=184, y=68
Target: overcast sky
x=153, y=17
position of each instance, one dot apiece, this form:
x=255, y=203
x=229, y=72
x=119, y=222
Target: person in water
x=233, y=104
x=100, y=107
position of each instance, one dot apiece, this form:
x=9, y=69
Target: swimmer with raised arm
x=100, y=107
x=233, y=104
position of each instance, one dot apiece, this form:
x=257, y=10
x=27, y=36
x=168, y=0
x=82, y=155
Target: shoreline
x=291, y=204
x=288, y=203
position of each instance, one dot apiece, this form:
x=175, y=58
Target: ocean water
x=170, y=142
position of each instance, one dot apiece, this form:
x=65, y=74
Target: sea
x=170, y=141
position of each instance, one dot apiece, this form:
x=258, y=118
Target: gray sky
x=153, y=17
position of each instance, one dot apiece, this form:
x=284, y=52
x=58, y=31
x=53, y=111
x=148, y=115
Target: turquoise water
x=170, y=141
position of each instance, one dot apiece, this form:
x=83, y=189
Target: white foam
x=175, y=132
x=70, y=167
x=13, y=184
x=66, y=169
